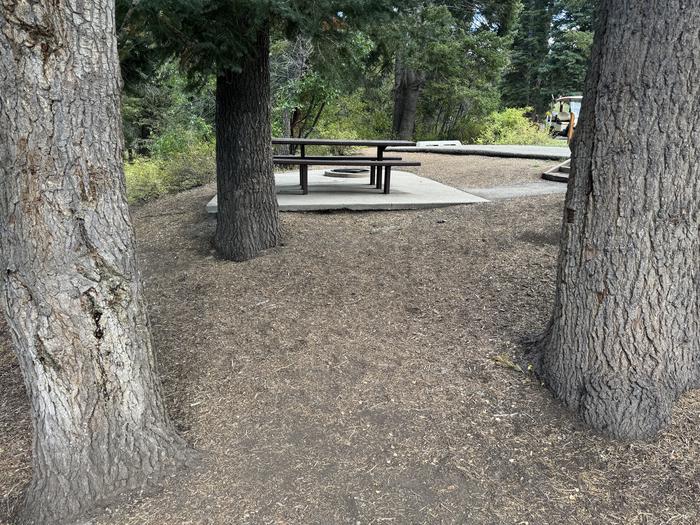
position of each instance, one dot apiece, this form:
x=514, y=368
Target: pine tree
x=441, y=42
x=550, y=53
x=622, y=345
x=523, y=80
x=571, y=37
x=70, y=288
x=231, y=40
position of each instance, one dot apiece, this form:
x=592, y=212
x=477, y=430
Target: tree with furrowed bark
x=70, y=288
x=231, y=39
x=623, y=344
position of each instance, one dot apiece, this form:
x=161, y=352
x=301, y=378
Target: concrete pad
x=528, y=189
x=408, y=192
x=518, y=152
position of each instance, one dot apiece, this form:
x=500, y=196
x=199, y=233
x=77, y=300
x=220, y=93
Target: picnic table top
x=339, y=142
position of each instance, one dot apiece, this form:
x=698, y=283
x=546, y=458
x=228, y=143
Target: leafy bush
x=191, y=168
x=182, y=137
x=162, y=114
x=150, y=177
x=145, y=179
x=168, y=128
x=354, y=116
x=512, y=126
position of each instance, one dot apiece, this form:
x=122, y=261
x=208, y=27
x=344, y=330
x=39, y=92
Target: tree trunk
x=248, y=219
x=70, y=289
x=407, y=87
x=623, y=343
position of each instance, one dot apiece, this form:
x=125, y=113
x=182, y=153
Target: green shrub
x=145, y=179
x=512, y=126
x=150, y=177
x=191, y=168
x=182, y=137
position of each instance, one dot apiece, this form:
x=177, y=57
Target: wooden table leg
x=302, y=150
x=304, y=179
x=372, y=175
x=380, y=156
x=387, y=181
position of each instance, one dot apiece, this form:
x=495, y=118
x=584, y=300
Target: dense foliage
x=336, y=69
x=168, y=135
x=447, y=59
x=512, y=126
x=550, y=52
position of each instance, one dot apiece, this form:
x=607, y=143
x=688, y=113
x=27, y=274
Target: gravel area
x=362, y=373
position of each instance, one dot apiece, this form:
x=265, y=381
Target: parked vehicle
x=563, y=112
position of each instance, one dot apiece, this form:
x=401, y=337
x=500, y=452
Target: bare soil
x=361, y=374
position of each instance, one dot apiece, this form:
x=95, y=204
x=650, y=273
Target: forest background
x=481, y=72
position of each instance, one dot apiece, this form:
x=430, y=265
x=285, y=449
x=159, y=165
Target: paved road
x=521, y=152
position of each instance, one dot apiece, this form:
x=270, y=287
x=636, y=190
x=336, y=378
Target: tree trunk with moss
x=70, y=289
x=623, y=341
x=248, y=218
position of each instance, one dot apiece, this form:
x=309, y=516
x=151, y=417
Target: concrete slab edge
x=212, y=210
x=368, y=207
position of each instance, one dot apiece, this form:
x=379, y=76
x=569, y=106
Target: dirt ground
x=358, y=374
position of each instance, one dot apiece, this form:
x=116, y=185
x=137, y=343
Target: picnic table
x=380, y=165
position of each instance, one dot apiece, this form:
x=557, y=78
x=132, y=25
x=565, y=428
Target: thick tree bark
x=407, y=88
x=623, y=340
x=248, y=219
x=70, y=288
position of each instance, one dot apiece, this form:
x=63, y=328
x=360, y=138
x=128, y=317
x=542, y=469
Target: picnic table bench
x=380, y=166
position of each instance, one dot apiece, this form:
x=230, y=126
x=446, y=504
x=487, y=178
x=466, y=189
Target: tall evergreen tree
x=439, y=41
x=550, y=52
x=623, y=344
x=70, y=288
x=523, y=80
x=571, y=38
x=231, y=39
